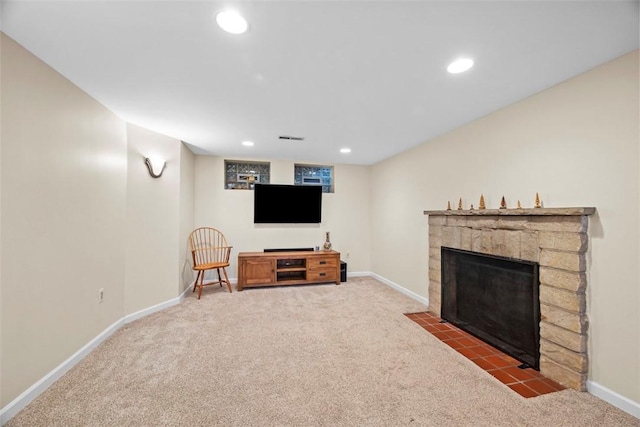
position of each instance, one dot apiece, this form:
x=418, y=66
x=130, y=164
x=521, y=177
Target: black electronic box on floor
x=343, y=271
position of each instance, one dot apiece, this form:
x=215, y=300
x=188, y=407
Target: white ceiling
x=369, y=75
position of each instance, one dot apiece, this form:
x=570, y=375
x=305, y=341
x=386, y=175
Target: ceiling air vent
x=292, y=138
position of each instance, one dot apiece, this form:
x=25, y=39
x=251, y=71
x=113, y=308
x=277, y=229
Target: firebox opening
x=494, y=298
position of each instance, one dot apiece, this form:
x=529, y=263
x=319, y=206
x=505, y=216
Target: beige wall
x=79, y=213
x=577, y=144
x=63, y=219
x=153, y=221
x=187, y=205
x=345, y=213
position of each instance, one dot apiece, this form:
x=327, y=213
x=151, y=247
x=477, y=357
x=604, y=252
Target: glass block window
x=242, y=175
x=314, y=175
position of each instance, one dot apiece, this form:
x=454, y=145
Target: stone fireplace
x=556, y=239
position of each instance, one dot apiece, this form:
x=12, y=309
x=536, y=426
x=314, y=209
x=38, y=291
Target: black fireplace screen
x=494, y=298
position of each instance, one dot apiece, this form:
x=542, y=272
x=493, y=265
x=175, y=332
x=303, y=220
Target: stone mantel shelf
x=516, y=212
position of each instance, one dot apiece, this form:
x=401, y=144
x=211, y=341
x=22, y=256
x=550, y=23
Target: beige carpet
x=318, y=355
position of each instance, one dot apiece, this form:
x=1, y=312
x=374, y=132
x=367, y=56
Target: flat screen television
x=287, y=204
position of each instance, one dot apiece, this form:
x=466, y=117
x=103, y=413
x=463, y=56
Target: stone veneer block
x=572, y=224
x=434, y=254
x=567, y=300
x=513, y=244
x=437, y=220
x=499, y=243
x=564, y=337
x=570, y=242
x=434, y=303
x=435, y=271
x=563, y=375
x=435, y=308
x=451, y=237
x=486, y=244
x=483, y=223
x=435, y=241
x=575, y=361
x=434, y=275
x=512, y=223
x=465, y=239
x=457, y=221
x=575, y=322
x=571, y=281
x=476, y=240
x=435, y=230
x=436, y=293
x=529, y=249
x=563, y=260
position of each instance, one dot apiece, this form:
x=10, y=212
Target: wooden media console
x=287, y=268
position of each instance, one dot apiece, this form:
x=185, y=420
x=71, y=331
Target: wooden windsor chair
x=210, y=251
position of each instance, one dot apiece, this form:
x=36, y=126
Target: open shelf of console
x=287, y=268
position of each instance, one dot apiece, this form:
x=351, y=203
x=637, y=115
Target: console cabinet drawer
x=320, y=274
x=323, y=263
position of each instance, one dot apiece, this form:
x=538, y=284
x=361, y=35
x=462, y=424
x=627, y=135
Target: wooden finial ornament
x=519, y=205
x=448, y=205
x=482, y=205
x=537, y=205
x=503, y=203
x=460, y=204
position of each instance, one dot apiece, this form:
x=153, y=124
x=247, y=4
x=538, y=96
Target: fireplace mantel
x=516, y=212
x=556, y=239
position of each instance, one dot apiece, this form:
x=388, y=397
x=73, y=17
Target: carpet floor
x=316, y=355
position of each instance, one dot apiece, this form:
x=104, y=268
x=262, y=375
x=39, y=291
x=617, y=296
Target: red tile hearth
x=526, y=382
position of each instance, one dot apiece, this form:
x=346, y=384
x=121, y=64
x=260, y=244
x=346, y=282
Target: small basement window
x=242, y=175
x=314, y=175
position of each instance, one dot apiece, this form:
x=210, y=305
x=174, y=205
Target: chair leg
x=224, y=270
x=201, y=284
x=195, y=284
x=219, y=277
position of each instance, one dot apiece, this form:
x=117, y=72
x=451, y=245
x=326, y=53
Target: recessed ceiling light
x=247, y=143
x=231, y=22
x=460, y=65
x=345, y=150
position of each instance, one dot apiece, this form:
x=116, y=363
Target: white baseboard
x=614, y=398
x=401, y=289
x=44, y=383
x=147, y=311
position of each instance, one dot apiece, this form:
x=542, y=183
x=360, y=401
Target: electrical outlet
x=100, y=294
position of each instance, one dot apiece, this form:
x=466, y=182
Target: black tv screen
x=287, y=204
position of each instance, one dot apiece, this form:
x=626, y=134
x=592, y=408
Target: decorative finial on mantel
x=538, y=204
x=448, y=205
x=519, y=205
x=460, y=204
x=482, y=205
x=503, y=203
x=471, y=208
